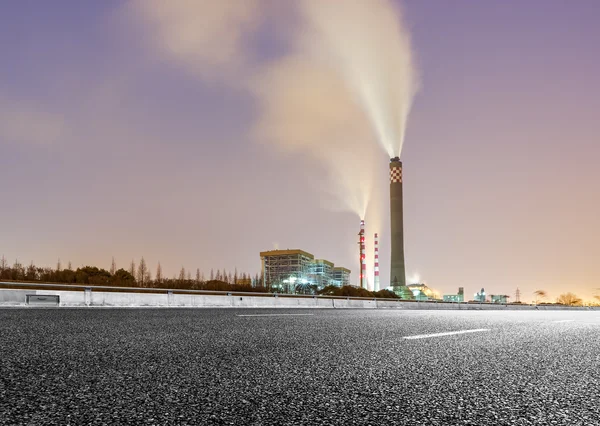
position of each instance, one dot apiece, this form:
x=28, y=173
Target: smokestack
x=363, y=258
x=397, y=275
x=376, y=266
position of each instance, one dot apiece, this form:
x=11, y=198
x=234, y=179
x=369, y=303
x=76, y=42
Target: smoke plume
x=342, y=82
x=367, y=44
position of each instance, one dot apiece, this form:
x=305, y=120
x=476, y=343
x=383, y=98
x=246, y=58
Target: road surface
x=336, y=367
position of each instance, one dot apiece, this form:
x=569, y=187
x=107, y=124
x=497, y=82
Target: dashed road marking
x=447, y=333
x=275, y=315
x=559, y=321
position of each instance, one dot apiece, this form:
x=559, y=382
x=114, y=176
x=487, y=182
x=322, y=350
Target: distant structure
x=518, y=296
x=480, y=297
x=297, y=271
x=456, y=298
x=499, y=298
x=422, y=292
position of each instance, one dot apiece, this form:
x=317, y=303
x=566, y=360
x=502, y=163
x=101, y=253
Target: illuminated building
x=297, y=271
x=480, y=297
x=456, y=298
x=422, y=292
x=341, y=276
x=499, y=298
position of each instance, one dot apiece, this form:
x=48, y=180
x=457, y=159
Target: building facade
x=456, y=298
x=297, y=271
x=341, y=276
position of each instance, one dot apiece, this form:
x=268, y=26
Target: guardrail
x=89, y=288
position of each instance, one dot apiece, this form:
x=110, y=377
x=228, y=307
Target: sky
x=145, y=128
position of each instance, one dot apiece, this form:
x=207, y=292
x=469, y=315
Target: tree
x=212, y=274
x=58, y=266
x=113, y=266
x=159, y=276
x=182, y=275
x=69, y=267
x=132, y=268
x=143, y=275
x=123, y=278
x=31, y=273
x=568, y=299
x=235, y=277
x=197, y=275
x=541, y=294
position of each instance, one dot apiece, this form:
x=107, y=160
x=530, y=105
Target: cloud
x=207, y=37
x=340, y=86
x=28, y=122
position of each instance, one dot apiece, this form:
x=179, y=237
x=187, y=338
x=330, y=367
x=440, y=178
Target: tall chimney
x=363, y=259
x=376, y=266
x=397, y=275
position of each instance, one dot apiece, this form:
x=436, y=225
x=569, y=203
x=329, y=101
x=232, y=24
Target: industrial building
x=341, y=276
x=457, y=298
x=480, y=297
x=322, y=273
x=499, y=298
x=422, y=292
x=297, y=271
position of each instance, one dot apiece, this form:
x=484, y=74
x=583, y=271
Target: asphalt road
x=209, y=366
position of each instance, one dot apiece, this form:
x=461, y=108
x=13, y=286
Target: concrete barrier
x=95, y=298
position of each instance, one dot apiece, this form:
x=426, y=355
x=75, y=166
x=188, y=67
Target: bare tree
x=539, y=294
x=182, y=274
x=113, y=266
x=568, y=299
x=58, y=266
x=132, y=268
x=69, y=267
x=142, y=275
x=197, y=275
x=189, y=276
x=235, y=277
x=159, y=276
x=212, y=274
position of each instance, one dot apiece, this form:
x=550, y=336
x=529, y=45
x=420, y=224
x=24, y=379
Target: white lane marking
x=558, y=321
x=275, y=315
x=447, y=333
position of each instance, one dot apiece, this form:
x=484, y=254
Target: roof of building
x=324, y=261
x=273, y=253
x=341, y=268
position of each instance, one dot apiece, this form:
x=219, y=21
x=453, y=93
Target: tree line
x=133, y=276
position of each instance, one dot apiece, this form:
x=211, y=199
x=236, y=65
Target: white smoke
x=366, y=42
x=343, y=82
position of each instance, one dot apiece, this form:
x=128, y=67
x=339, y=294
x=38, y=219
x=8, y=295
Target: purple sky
x=107, y=151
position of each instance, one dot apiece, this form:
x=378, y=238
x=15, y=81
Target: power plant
x=397, y=272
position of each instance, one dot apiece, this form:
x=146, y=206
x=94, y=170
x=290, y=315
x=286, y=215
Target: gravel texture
x=345, y=367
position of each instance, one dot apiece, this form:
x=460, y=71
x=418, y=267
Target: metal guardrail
x=81, y=287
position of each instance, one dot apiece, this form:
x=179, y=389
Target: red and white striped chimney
x=363, y=256
x=376, y=266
